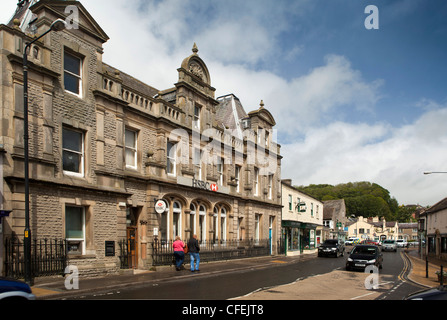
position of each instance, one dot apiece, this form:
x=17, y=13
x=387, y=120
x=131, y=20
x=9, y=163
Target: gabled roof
x=86, y=22
x=263, y=114
x=441, y=205
x=229, y=112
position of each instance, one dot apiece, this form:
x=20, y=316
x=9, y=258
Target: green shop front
x=299, y=237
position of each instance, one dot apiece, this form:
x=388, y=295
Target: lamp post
x=57, y=25
x=430, y=172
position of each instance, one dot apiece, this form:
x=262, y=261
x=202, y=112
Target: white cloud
x=392, y=157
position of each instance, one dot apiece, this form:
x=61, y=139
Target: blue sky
x=351, y=104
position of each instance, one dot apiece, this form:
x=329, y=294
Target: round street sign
x=160, y=206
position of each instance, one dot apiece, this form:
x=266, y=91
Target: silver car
x=389, y=245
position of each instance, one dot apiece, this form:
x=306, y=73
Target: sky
x=351, y=103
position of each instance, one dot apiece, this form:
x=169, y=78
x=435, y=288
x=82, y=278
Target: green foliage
x=361, y=198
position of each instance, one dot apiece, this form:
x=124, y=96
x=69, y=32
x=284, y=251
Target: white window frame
x=129, y=148
x=237, y=173
x=270, y=187
x=192, y=216
x=220, y=167
x=256, y=182
x=198, y=162
x=196, y=117
x=223, y=224
x=177, y=210
x=257, y=227
x=82, y=240
x=202, y=213
x=81, y=153
x=80, y=76
x=171, y=160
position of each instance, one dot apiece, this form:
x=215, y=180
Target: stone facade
x=104, y=147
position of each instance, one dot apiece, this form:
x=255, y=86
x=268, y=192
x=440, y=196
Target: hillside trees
x=361, y=198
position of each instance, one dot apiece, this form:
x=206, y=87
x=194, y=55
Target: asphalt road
x=314, y=278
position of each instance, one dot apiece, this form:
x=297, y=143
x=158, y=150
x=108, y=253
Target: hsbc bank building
x=107, y=147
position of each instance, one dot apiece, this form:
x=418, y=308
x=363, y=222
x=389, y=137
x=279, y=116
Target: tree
x=361, y=198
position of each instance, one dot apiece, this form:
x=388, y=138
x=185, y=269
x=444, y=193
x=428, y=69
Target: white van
x=401, y=243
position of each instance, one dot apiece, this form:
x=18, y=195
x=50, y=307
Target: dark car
x=363, y=255
x=332, y=247
x=11, y=289
x=438, y=293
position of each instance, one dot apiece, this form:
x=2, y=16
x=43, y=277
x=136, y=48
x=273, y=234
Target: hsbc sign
x=203, y=185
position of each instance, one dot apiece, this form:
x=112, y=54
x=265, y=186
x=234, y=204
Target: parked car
x=389, y=245
x=371, y=242
x=11, y=289
x=401, y=243
x=351, y=241
x=363, y=255
x=331, y=247
x=438, y=293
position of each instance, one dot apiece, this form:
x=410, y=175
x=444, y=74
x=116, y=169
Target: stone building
x=334, y=218
x=105, y=147
x=373, y=228
x=433, y=228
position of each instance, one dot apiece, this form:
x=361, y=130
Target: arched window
x=202, y=224
x=223, y=224
x=176, y=219
x=192, y=219
x=215, y=225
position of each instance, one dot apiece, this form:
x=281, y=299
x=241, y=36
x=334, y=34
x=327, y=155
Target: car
x=438, y=293
x=331, y=247
x=401, y=243
x=11, y=289
x=389, y=245
x=363, y=256
x=351, y=241
x=372, y=242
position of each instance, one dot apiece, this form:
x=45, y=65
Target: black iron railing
x=48, y=257
x=163, y=253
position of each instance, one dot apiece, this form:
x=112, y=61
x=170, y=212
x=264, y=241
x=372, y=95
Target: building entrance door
x=132, y=236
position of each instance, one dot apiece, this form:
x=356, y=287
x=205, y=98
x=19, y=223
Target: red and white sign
x=160, y=206
x=214, y=187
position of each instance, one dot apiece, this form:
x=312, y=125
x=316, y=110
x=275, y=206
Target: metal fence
x=48, y=257
x=163, y=253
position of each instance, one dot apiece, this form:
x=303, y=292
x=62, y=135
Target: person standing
x=179, y=252
x=194, y=248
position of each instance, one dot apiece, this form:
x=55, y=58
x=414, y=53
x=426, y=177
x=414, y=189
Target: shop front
x=308, y=243
x=291, y=237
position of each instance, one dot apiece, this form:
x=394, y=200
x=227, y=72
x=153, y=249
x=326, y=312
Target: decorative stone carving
x=197, y=70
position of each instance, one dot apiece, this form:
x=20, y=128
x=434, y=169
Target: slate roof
x=229, y=112
x=441, y=205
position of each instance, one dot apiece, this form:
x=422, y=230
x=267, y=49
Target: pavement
x=49, y=288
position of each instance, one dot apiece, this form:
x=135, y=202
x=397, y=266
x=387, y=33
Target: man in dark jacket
x=193, y=249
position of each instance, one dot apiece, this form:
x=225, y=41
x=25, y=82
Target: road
x=301, y=279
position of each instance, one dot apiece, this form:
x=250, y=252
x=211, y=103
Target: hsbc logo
x=204, y=185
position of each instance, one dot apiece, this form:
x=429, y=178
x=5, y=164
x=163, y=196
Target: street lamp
x=57, y=25
x=430, y=172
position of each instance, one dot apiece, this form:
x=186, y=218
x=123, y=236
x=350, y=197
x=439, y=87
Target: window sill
x=81, y=256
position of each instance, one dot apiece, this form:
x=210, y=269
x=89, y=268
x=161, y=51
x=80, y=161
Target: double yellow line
x=407, y=266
